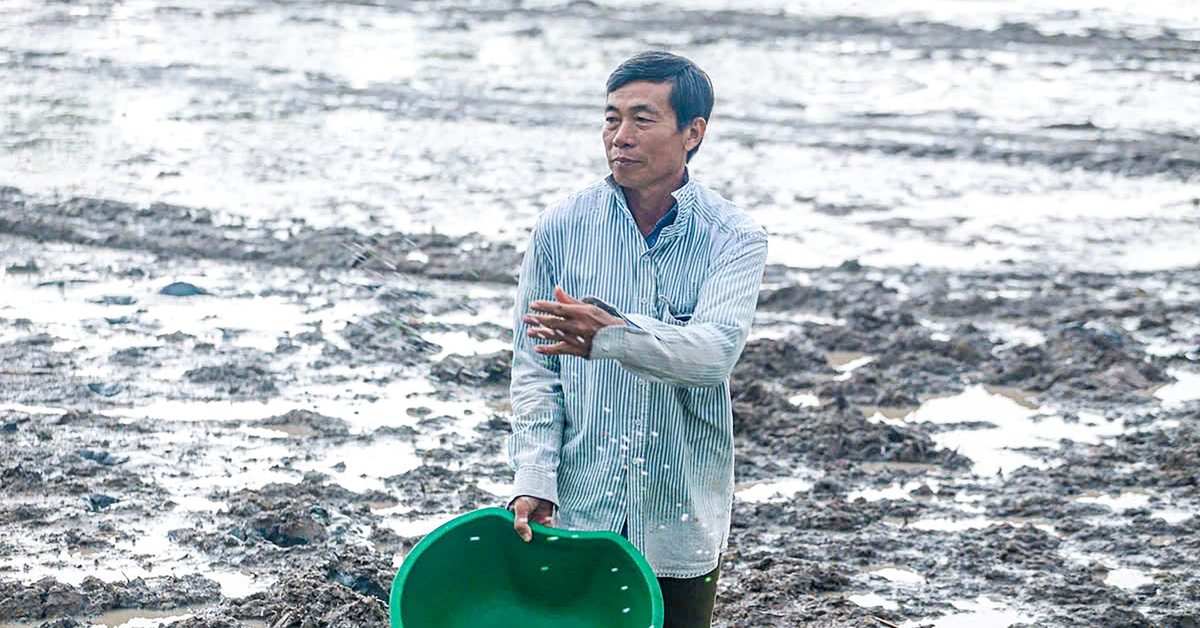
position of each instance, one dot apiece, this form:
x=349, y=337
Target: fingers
x=543, y=515
x=568, y=323
x=552, y=307
x=525, y=508
x=521, y=525
x=521, y=507
x=553, y=331
x=569, y=326
x=562, y=348
x=563, y=297
x=564, y=342
x=554, y=322
x=556, y=334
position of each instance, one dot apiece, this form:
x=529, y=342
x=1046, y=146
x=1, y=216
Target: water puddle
x=873, y=600
x=1127, y=578
x=281, y=431
x=1178, y=343
x=847, y=361
x=481, y=305
x=1138, y=499
x=362, y=467
x=805, y=400
x=779, y=326
x=981, y=612
x=773, y=491
x=196, y=503
x=898, y=575
x=960, y=524
x=1007, y=334
x=24, y=409
x=356, y=466
x=499, y=489
x=192, y=410
x=905, y=467
x=411, y=528
x=462, y=343
x=946, y=524
x=128, y=618
x=1022, y=398
x=145, y=537
x=904, y=491
x=1119, y=503
x=1173, y=516
x=76, y=315
x=72, y=568
x=895, y=491
x=1020, y=428
x=363, y=404
x=1186, y=389
x=210, y=468
x=141, y=618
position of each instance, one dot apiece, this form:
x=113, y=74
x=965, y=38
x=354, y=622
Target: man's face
x=642, y=141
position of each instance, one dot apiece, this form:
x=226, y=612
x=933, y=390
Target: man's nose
x=625, y=135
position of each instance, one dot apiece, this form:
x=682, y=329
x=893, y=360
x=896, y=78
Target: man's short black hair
x=691, y=89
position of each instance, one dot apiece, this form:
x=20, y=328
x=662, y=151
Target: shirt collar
x=685, y=195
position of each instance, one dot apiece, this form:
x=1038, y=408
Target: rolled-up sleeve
x=704, y=351
x=536, y=390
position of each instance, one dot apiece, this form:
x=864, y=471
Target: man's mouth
x=624, y=161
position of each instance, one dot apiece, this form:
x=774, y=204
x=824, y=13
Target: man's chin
x=622, y=178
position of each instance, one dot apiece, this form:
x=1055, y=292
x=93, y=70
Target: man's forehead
x=641, y=95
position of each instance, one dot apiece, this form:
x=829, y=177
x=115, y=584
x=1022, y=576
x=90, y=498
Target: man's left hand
x=569, y=321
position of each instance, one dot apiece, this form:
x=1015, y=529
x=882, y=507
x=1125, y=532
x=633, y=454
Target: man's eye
x=610, y=120
x=644, y=120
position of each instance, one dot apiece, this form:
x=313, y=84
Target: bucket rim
x=539, y=531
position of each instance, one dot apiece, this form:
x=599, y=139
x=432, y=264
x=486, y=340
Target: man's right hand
x=526, y=508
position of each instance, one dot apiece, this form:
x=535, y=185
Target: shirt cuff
x=536, y=482
x=609, y=343
x=596, y=301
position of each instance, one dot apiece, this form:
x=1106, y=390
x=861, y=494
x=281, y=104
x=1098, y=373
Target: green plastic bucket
x=474, y=571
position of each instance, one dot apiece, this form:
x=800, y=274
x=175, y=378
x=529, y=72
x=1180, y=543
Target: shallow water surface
x=409, y=117
x=979, y=613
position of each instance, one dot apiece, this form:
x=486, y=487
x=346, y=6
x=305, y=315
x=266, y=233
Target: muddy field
x=254, y=321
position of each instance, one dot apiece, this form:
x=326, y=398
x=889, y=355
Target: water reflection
x=1012, y=431
x=979, y=613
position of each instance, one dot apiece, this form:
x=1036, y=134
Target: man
x=636, y=296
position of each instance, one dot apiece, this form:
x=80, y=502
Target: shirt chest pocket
x=677, y=293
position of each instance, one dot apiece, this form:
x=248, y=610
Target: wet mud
x=48, y=598
x=247, y=416
x=79, y=481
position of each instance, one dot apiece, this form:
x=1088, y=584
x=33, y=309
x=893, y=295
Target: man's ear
x=695, y=133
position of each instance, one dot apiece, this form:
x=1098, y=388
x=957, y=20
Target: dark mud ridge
x=176, y=231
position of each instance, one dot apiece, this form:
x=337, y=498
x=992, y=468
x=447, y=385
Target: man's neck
x=649, y=206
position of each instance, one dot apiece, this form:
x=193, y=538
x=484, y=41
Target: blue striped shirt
x=640, y=434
